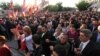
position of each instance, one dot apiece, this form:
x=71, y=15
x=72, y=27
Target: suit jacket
x=47, y=35
x=2, y=32
x=94, y=36
x=38, y=51
x=91, y=28
x=91, y=49
x=46, y=49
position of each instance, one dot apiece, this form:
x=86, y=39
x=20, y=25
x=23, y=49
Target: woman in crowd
x=4, y=50
x=27, y=42
x=73, y=33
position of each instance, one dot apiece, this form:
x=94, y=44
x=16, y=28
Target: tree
x=5, y=6
x=60, y=6
x=82, y=5
x=54, y=8
x=57, y=7
x=51, y=8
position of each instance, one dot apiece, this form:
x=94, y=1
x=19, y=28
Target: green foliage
x=57, y=7
x=82, y=5
x=5, y=6
x=53, y=8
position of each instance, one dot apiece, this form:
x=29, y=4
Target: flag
x=11, y=4
x=24, y=3
x=44, y=3
x=23, y=6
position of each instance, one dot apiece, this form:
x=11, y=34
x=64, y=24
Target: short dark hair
x=36, y=39
x=45, y=26
x=95, y=18
x=60, y=50
x=87, y=32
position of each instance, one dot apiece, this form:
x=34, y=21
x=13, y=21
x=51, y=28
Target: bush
x=82, y=5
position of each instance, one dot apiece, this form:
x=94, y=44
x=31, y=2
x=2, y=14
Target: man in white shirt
x=83, y=45
x=87, y=47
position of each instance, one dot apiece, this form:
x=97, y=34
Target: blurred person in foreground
x=63, y=41
x=96, y=36
x=94, y=24
x=59, y=51
x=4, y=50
x=86, y=46
x=38, y=51
x=26, y=40
x=46, y=39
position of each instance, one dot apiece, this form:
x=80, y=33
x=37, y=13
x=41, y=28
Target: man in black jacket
x=87, y=47
x=96, y=36
x=45, y=40
x=37, y=48
x=2, y=28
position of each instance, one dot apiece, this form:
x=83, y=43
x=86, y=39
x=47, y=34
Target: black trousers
x=19, y=44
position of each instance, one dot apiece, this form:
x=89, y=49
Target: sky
x=65, y=3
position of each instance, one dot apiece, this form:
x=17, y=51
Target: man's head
x=49, y=25
x=39, y=29
x=95, y=21
x=85, y=35
x=36, y=39
x=63, y=38
x=44, y=28
x=59, y=51
x=27, y=30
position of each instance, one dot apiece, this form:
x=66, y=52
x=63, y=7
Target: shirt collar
x=86, y=42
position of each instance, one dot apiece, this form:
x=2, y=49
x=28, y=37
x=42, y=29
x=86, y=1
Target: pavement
x=14, y=48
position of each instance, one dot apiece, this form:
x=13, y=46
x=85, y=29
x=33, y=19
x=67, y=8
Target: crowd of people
x=53, y=34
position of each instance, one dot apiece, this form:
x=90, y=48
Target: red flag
x=11, y=4
x=24, y=3
x=44, y=3
x=24, y=6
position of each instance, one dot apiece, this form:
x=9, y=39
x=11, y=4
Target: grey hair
x=86, y=32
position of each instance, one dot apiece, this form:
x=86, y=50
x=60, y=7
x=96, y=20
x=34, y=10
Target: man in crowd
x=38, y=51
x=96, y=36
x=45, y=41
x=86, y=46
